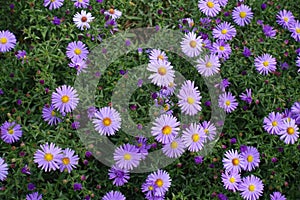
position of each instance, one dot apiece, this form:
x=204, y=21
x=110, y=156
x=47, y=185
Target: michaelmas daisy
x=191, y=45
x=83, y=19
x=7, y=41
x=163, y=72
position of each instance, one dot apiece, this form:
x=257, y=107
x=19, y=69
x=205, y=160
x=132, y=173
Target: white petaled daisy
x=191, y=45
x=289, y=132
x=209, y=7
x=163, y=72
x=208, y=66
x=209, y=129
x=113, y=13
x=194, y=137
x=83, y=19
x=174, y=149
x=231, y=180
x=157, y=54
x=233, y=162
x=127, y=156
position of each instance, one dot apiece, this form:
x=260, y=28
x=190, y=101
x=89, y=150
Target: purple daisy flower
x=205, y=23
x=157, y=54
x=77, y=50
x=7, y=41
x=206, y=43
x=273, y=123
x=277, y=196
x=48, y=158
x=107, y=121
x=165, y=128
x=209, y=7
x=251, y=157
x=191, y=45
x=224, y=31
x=21, y=54
x=194, y=137
x=119, y=176
x=143, y=147
x=113, y=13
x=77, y=186
x=49, y=115
x=231, y=180
x=34, y=196
x=295, y=110
x=127, y=157
x=81, y=3
x=242, y=15
x=189, y=98
x=295, y=29
x=160, y=181
x=174, y=149
x=209, y=129
x=247, y=97
x=289, y=132
x=11, y=132
x=228, y=102
x=68, y=160
x=251, y=188
x=25, y=170
x=265, y=64
x=91, y=112
x=222, y=3
x=113, y=195
x=79, y=64
x=285, y=18
x=233, y=162
x=167, y=91
x=298, y=63
x=221, y=49
x=3, y=169
x=162, y=72
x=65, y=99
x=54, y=4
x=269, y=31
x=208, y=66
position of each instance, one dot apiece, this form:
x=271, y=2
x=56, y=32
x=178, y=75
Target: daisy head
x=162, y=72
x=295, y=30
x=289, y=132
x=77, y=50
x=285, y=18
x=265, y=64
x=251, y=187
x=242, y=15
x=53, y=4
x=68, y=160
x=174, y=149
x=228, y=102
x=7, y=41
x=83, y=19
x=273, y=123
x=221, y=49
x=194, y=137
x=127, y=157
x=232, y=161
x=277, y=196
x=157, y=54
x=231, y=180
x=209, y=7
x=161, y=182
x=79, y=64
x=49, y=115
x=11, y=132
x=251, y=157
x=81, y=3
x=113, y=195
x=3, y=169
x=113, y=13
x=191, y=45
x=209, y=129
x=65, y=99
x=224, y=31
x=209, y=65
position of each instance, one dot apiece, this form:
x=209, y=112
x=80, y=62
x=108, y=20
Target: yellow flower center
x=210, y=4
x=243, y=14
x=3, y=40
x=274, y=123
x=162, y=71
x=297, y=30
x=193, y=43
x=232, y=180
x=227, y=103
x=285, y=19
x=206, y=131
x=53, y=113
x=53, y=0
x=250, y=158
x=166, y=107
x=65, y=99
x=139, y=144
x=106, y=121
x=80, y=1
x=190, y=100
x=11, y=131
x=266, y=63
x=65, y=161
x=208, y=64
x=171, y=84
x=222, y=48
x=48, y=157
x=251, y=188
x=192, y=24
x=166, y=130
x=290, y=130
x=159, y=182
x=224, y=31
x=174, y=145
x=235, y=161
x=150, y=188
x=111, y=11
x=77, y=51
x=160, y=57
x=127, y=156
x=195, y=137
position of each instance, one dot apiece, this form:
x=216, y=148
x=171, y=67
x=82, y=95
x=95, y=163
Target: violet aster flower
x=289, y=132
x=157, y=184
x=48, y=158
x=224, y=31
x=277, y=196
x=3, y=169
x=81, y=3
x=295, y=30
x=79, y=64
x=77, y=50
x=242, y=15
x=265, y=64
x=222, y=3
x=295, y=110
x=82, y=20
x=113, y=13
x=143, y=146
x=205, y=23
x=251, y=157
x=11, y=132
x=65, y=98
x=231, y=180
x=174, y=149
x=228, y=102
x=232, y=161
x=68, y=160
x=127, y=157
x=191, y=45
x=209, y=129
x=53, y=4
x=21, y=54
x=107, y=121
x=119, y=176
x=56, y=21
x=198, y=159
x=49, y=115
x=269, y=31
x=285, y=18
x=209, y=65
x=298, y=62
x=25, y=170
x=34, y=196
x=209, y=7
x=194, y=137
x=162, y=72
x=247, y=97
x=167, y=91
x=273, y=123
x=165, y=128
x=189, y=98
x=157, y=54
x=7, y=41
x=251, y=188
x=113, y=195
x=221, y=49
x=77, y=186
x=91, y=112
x=223, y=84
